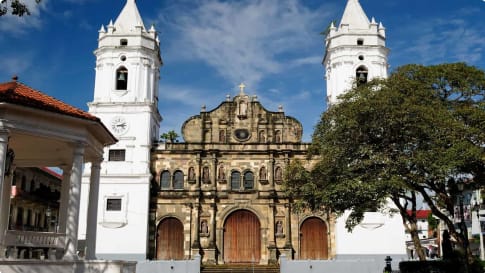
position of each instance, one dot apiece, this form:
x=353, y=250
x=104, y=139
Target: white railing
x=17, y=238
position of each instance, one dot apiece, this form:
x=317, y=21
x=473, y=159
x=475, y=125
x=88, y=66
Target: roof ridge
x=25, y=95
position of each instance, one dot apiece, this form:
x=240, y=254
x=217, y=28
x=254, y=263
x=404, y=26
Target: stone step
x=240, y=269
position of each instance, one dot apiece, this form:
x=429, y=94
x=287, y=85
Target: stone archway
x=242, y=238
x=170, y=239
x=313, y=239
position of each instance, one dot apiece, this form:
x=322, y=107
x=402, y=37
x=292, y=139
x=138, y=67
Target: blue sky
x=210, y=46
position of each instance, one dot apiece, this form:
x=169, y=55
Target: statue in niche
x=243, y=107
x=279, y=227
x=278, y=174
x=262, y=137
x=204, y=227
x=222, y=175
x=222, y=136
x=262, y=173
x=278, y=136
x=191, y=173
x=205, y=174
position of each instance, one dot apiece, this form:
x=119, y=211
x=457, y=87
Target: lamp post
x=476, y=208
x=463, y=229
x=48, y=214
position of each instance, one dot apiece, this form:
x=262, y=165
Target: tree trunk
x=413, y=230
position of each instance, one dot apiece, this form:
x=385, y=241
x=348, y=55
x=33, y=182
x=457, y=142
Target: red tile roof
x=421, y=214
x=17, y=93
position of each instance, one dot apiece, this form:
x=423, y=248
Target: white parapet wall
x=185, y=266
x=334, y=266
x=47, y=266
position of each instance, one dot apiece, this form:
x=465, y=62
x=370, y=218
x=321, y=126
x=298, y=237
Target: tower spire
x=354, y=16
x=129, y=18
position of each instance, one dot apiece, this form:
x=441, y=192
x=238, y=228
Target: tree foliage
x=414, y=134
x=16, y=7
x=170, y=136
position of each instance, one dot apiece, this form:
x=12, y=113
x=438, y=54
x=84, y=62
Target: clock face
x=119, y=125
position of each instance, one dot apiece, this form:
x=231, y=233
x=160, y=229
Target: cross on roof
x=241, y=87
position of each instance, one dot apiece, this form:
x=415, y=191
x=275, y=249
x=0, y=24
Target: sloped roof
x=354, y=16
x=18, y=93
x=421, y=214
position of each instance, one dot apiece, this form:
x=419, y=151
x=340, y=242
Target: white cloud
x=15, y=25
x=245, y=40
x=443, y=40
x=186, y=95
x=15, y=65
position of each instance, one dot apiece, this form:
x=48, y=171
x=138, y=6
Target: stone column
x=93, y=210
x=214, y=172
x=211, y=250
x=271, y=241
x=74, y=203
x=271, y=171
x=288, y=225
x=64, y=200
x=199, y=172
x=5, y=190
x=196, y=243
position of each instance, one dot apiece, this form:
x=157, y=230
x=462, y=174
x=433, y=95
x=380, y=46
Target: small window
x=123, y=42
x=165, y=180
x=178, y=180
x=113, y=204
x=360, y=41
x=121, y=78
x=116, y=155
x=248, y=181
x=235, y=180
x=23, y=184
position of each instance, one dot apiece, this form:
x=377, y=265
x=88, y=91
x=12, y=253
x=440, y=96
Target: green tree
x=17, y=7
x=413, y=134
x=170, y=136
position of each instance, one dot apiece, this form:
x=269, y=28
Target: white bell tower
x=125, y=99
x=356, y=49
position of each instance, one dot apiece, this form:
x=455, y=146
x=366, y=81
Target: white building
x=125, y=99
x=356, y=50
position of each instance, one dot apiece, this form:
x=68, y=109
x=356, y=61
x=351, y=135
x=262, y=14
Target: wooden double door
x=242, y=238
x=313, y=239
x=170, y=239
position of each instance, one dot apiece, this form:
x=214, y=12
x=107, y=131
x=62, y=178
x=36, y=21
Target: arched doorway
x=242, y=238
x=170, y=241
x=313, y=239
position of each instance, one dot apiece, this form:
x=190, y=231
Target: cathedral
x=219, y=192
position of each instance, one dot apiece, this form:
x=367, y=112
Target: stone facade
x=233, y=160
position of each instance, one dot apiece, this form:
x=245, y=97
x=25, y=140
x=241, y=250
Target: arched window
x=121, y=78
x=165, y=180
x=235, y=180
x=178, y=180
x=361, y=74
x=248, y=180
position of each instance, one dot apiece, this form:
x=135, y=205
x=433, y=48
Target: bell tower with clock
x=128, y=64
